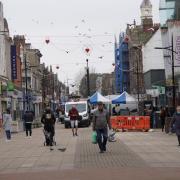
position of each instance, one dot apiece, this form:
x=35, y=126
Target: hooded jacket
x=48, y=118
x=73, y=114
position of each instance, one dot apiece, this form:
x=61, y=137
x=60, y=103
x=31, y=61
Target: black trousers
x=28, y=127
x=178, y=136
x=50, y=130
x=162, y=123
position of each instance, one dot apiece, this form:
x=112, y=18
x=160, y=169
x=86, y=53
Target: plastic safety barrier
x=131, y=122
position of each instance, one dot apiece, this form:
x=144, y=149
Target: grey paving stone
x=156, y=148
x=117, y=155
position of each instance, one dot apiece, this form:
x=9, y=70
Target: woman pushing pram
x=48, y=119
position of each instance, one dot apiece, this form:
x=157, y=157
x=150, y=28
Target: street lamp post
x=26, y=84
x=171, y=48
x=27, y=93
x=88, y=85
x=53, y=91
x=138, y=79
x=45, y=88
x=137, y=72
x=173, y=77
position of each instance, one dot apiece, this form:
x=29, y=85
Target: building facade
x=139, y=36
x=34, y=74
x=152, y=58
x=170, y=25
x=122, y=82
x=24, y=81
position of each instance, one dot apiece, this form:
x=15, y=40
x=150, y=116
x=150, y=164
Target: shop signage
x=161, y=89
x=10, y=86
x=13, y=62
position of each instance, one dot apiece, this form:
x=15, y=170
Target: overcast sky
x=73, y=25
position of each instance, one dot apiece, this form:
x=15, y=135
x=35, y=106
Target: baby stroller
x=49, y=134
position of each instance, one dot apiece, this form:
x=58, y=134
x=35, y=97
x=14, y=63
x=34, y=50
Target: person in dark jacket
x=162, y=117
x=101, y=121
x=28, y=119
x=176, y=122
x=48, y=119
x=114, y=111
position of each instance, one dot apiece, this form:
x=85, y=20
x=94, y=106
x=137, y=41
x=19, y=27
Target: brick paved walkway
x=29, y=155
x=117, y=155
x=133, y=156
x=156, y=148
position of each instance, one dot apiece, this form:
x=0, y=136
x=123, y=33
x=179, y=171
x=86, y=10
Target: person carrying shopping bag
x=101, y=121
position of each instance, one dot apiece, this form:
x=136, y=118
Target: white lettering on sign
x=178, y=49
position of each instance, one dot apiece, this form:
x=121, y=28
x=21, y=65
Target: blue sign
x=13, y=62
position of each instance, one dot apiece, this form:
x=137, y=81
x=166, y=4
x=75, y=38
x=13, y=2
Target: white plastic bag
x=111, y=135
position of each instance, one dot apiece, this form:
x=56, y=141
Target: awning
x=124, y=98
x=97, y=97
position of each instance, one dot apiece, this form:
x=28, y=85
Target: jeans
x=162, y=123
x=8, y=134
x=102, y=136
x=28, y=128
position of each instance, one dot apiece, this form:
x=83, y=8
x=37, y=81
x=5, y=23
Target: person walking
x=153, y=117
x=162, y=117
x=7, y=120
x=48, y=119
x=176, y=122
x=101, y=121
x=74, y=116
x=114, y=111
x=1, y=124
x=28, y=119
x=61, y=115
x=117, y=109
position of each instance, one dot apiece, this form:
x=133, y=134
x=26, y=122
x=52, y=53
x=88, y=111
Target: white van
x=83, y=109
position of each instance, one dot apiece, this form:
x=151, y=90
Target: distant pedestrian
x=74, y=116
x=128, y=113
x=61, y=115
x=1, y=124
x=57, y=114
x=117, y=109
x=153, y=117
x=162, y=117
x=176, y=122
x=28, y=119
x=7, y=121
x=114, y=111
x=101, y=121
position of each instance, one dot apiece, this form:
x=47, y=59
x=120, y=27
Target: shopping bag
x=111, y=135
x=94, y=137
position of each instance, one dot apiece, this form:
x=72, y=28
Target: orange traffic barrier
x=131, y=122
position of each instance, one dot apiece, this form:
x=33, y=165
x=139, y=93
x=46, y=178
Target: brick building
x=138, y=36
